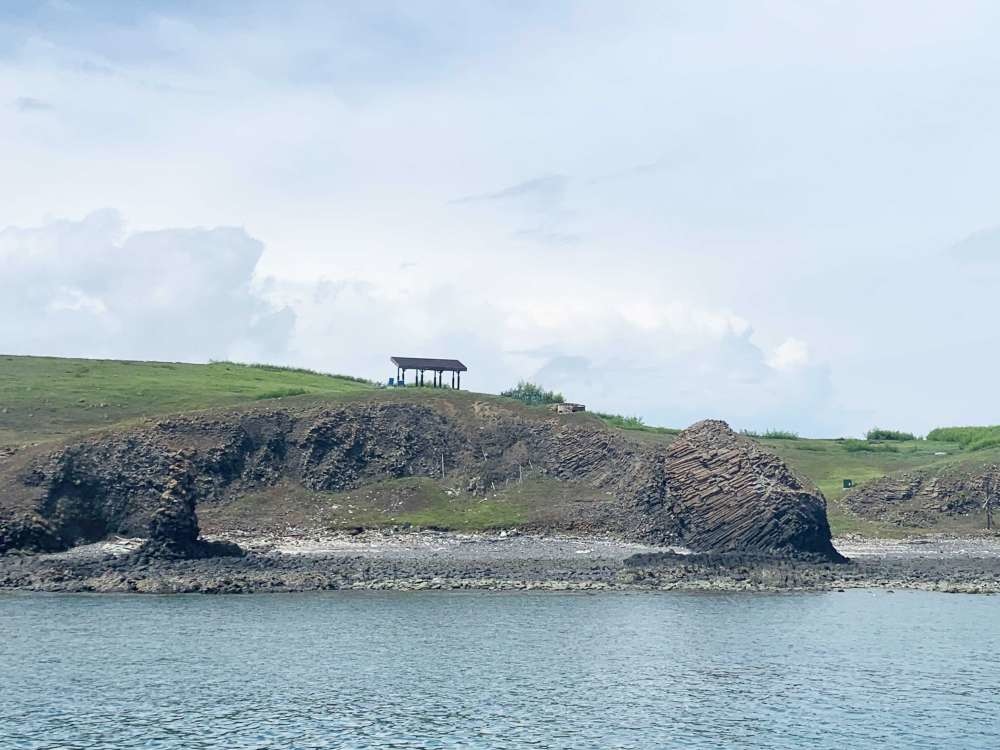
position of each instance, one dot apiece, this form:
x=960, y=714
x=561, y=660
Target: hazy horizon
x=778, y=215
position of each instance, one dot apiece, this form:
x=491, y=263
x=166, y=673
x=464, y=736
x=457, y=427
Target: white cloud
x=89, y=288
x=791, y=354
x=665, y=194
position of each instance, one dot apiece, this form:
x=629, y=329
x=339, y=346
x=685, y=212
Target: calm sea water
x=438, y=670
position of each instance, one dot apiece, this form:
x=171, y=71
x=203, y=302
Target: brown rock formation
x=711, y=489
x=738, y=496
x=926, y=498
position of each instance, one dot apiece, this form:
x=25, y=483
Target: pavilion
x=436, y=366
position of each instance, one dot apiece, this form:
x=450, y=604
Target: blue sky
x=780, y=214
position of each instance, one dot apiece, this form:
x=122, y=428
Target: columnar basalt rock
x=734, y=495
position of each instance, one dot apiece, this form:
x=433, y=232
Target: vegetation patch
x=969, y=438
x=857, y=446
x=877, y=433
x=533, y=395
x=284, y=368
x=771, y=434
x=633, y=423
x=48, y=397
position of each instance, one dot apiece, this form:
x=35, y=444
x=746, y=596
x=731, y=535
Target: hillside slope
x=42, y=398
x=147, y=480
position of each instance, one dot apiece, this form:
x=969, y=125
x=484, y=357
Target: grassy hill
x=49, y=397
x=43, y=398
x=828, y=462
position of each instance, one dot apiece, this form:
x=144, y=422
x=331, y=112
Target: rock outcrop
x=711, y=489
x=734, y=495
x=924, y=499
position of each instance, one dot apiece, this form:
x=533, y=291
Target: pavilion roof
x=429, y=363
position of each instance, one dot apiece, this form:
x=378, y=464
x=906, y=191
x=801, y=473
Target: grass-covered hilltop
x=903, y=485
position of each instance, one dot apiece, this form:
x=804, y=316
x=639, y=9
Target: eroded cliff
x=710, y=490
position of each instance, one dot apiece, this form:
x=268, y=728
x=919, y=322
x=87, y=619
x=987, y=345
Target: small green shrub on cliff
x=533, y=395
x=877, y=433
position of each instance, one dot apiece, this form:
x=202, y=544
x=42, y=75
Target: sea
x=853, y=669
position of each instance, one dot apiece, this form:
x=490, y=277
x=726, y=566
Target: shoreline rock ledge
x=734, y=495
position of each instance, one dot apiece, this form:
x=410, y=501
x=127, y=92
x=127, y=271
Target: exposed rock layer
x=710, y=490
x=738, y=496
x=923, y=499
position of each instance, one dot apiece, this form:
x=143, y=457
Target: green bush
x=529, y=393
x=876, y=433
x=780, y=435
x=986, y=442
x=970, y=438
x=618, y=420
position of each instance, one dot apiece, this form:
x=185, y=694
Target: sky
x=781, y=214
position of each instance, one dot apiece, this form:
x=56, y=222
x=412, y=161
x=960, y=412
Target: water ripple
x=480, y=670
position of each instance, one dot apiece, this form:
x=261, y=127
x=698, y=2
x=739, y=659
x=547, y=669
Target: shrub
x=971, y=438
x=534, y=395
x=780, y=435
x=876, y=433
x=618, y=420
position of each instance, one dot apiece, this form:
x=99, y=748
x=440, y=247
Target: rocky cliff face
x=711, y=489
x=924, y=499
x=737, y=496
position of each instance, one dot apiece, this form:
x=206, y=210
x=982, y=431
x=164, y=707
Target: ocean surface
x=861, y=669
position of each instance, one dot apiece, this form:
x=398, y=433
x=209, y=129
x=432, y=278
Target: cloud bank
x=89, y=288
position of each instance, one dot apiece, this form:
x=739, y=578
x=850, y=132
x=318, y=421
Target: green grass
x=827, y=463
x=420, y=502
x=859, y=446
x=48, y=397
x=633, y=423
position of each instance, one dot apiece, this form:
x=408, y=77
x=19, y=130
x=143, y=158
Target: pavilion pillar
x=459, y=381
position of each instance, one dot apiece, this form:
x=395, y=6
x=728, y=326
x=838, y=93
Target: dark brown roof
x=428, y=363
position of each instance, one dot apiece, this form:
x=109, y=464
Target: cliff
x=710, y=490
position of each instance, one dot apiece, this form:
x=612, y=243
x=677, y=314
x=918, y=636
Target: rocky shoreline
x=508, y=561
